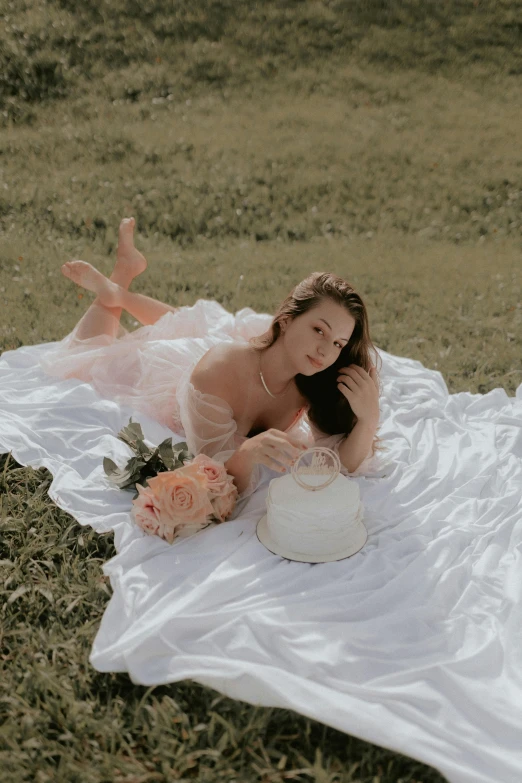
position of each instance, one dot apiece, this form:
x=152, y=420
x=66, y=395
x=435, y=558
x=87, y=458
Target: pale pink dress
x=149, y=370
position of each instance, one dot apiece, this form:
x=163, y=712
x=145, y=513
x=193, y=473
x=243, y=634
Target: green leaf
x=135, y=427
x=110, y=467
x=121, y=475
x=135, y=463
x=131, y=433
x=143, y=449
x=131, y=483
x=182, y=453
x=132, y=470
x=122, y=481
x=166, y=453
x=146, y=462
x=155, y=463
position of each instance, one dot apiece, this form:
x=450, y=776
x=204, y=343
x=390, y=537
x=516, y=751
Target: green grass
x=253, y=143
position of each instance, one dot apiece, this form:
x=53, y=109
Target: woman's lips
x=315, y=363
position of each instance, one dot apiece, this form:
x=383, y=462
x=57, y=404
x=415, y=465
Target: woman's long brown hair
x=329, y=409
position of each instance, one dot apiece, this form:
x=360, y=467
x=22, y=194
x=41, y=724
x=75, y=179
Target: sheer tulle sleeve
x=368, y=465
x=210, y=428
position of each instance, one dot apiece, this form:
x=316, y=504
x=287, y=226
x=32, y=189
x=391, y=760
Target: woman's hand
x=273, y=448
x=361, y=389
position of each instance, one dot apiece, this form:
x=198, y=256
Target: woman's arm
x=361, y=389
x=217, y=374
x=354, y=449
x=240, y=466
x=221, y=382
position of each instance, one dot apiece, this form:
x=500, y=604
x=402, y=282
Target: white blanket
x=414, y=643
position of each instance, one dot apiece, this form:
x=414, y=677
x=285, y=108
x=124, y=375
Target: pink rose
x=146, y=511
x=223, y=505
x=182, y=496
x=217, y=476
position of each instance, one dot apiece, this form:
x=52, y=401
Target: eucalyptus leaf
x=134, y=463
x=131, y=484
x=135, y=427
x=181, y=446
x=181, y=452
x=123, y=481
x=143, y=449
x=166, y=453
x=147, y=462
x=109, y=466
x=155, y=464
x=132, y=478
x=121, y=475
x=131, y=433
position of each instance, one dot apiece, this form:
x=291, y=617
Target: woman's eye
x=317, y=329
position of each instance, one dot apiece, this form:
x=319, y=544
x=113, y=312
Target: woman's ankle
x=121, y=278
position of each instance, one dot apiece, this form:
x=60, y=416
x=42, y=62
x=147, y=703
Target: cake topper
x=315, y=462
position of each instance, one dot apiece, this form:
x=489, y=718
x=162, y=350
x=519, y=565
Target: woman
x=243, y=397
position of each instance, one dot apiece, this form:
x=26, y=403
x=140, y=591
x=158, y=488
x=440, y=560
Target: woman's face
x=315, y=339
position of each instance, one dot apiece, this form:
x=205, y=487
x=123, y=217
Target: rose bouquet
x=177, y=494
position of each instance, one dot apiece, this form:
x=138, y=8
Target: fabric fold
x=413, y=643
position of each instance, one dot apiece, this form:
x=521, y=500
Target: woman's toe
x=127, y=224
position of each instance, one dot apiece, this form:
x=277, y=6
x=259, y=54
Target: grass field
x=253, y=143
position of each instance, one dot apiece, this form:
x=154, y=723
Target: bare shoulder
x=221, y=358
x=220, y=369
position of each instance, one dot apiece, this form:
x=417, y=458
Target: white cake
x=313, y=525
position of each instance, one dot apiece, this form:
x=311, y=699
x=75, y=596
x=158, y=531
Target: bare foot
x=131, y=262
x=85, y=275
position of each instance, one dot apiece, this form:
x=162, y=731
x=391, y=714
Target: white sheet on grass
x=414, y=643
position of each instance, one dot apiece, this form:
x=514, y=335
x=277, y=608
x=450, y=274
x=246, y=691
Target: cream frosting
x=311, y=522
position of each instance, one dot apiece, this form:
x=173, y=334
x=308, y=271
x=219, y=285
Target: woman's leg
x=101, y=318
x=145, y=309
x=113, y=297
